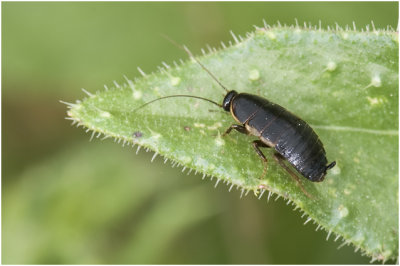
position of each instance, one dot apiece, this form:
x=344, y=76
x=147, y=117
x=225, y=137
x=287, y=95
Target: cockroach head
x=226, y=104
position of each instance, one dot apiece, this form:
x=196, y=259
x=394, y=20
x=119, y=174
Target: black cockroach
x=291, y=137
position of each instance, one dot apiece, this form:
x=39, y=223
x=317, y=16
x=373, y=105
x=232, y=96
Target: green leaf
x=343, y=83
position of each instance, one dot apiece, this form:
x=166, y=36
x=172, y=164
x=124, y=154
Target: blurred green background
x=67, y=200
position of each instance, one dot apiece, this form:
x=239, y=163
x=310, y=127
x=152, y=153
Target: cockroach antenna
x=184, y=48
x=173, y=96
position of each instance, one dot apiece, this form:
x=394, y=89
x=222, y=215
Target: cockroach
x=291, y=137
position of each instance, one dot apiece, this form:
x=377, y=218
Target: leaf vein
x=359, y=129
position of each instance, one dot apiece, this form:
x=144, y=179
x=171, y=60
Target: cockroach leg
x=239, y=128
x=281, y=161
x=256, y=145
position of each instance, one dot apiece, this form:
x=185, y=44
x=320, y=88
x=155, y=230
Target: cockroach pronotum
x=291, y=137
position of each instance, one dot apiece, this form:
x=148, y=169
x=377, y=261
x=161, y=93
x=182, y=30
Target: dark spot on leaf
x=186, y=128
x=137, y=134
